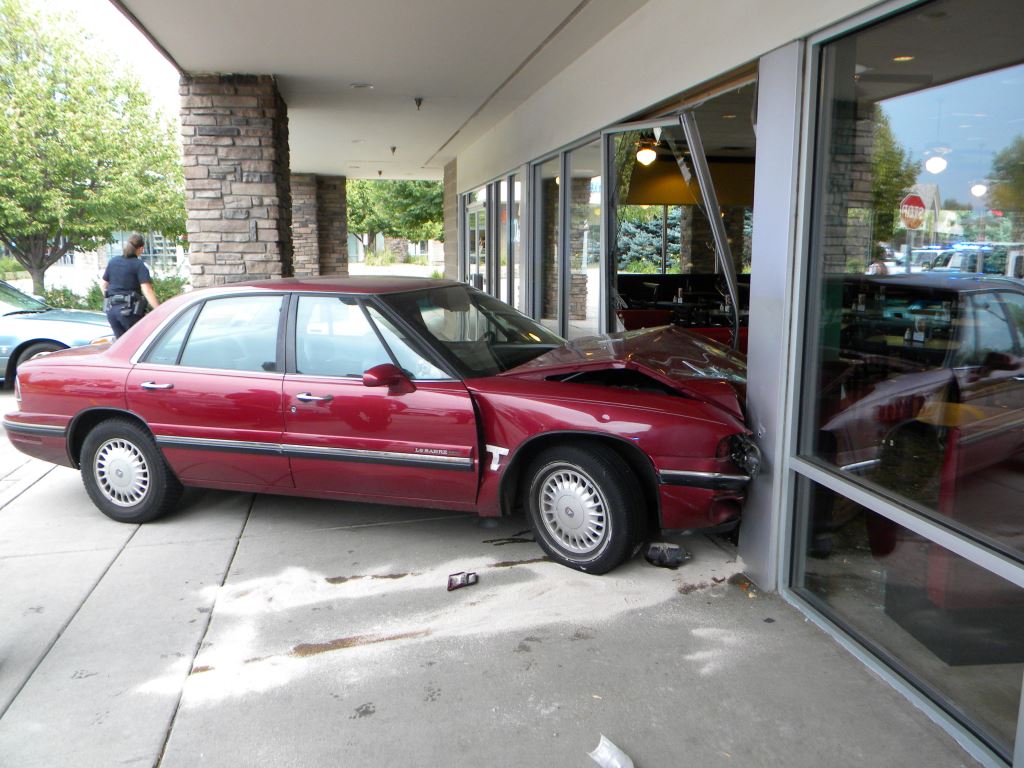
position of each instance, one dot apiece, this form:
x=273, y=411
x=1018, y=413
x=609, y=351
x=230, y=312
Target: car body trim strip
x=24, y=428
x=309, y=451
x=712, y=480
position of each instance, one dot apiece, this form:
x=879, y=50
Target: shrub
x=168, y=287
x=380, y=258
x=9, y=264
x=63, y=298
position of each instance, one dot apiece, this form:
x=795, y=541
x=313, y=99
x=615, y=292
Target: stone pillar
x=234, y=131
x=319, y=230
x=332, y=217
x=579, y=217
x=451, y=221
x=305, y=226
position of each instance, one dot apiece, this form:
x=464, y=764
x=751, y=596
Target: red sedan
x=400, y=391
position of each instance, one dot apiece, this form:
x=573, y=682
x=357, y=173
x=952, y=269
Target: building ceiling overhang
x=471, y=63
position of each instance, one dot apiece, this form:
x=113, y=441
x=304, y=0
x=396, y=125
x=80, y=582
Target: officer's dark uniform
x=125, y=303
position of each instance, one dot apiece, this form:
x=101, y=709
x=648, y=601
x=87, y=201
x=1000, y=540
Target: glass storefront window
x=476, y=238
x=501, y=274
x=517, y=298
x=914, y=377
x=584, y=246
x=548, y=232
x=952, y=628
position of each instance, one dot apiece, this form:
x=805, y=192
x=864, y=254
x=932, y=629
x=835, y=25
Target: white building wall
x=665, y=48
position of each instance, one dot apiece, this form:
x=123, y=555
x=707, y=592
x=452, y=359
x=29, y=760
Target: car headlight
x=743, y=452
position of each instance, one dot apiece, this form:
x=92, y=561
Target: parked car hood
x=689, y=363
x=67, y=316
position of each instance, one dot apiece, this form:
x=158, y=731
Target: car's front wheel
x=585, y=506
x=125, y=474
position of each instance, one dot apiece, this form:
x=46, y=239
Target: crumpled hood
x=689, y=363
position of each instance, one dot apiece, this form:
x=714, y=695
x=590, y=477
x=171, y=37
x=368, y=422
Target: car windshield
x=13, y=300
x=478, y=334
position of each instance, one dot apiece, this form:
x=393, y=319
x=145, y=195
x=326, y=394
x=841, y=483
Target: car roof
x=364, y=284
x=959, y=282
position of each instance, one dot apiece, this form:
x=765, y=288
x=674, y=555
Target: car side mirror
x=1000, y=361
x=387, y=375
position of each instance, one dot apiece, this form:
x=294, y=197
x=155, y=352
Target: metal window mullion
x=563, y=266
x=956, y=543
x=604, y=283
x=462, y=242
x=536, y=259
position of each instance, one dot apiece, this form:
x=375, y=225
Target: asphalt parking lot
x=263, y=631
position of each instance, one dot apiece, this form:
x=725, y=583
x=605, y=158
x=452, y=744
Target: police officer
x=127, y=287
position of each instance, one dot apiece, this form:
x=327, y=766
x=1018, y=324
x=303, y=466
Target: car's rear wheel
x=36, y=349
x=585, y=505
x=125, y=474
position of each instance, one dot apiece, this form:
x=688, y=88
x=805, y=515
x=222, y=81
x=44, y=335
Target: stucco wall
x=665, y=48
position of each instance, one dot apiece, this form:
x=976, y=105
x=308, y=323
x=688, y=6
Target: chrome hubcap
x=121, y=472
x=573, y=510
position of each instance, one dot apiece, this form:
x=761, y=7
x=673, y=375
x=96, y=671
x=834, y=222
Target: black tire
x=34, y=349
x=125, y=474
x=605, y=532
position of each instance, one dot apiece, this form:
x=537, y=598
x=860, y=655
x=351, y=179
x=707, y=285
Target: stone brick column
x=332, y=218
x=579, y=216
x=305, y=226
x=234, y=131
x=451, y=221
x=319, y=230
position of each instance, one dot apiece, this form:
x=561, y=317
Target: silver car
x=29, y=327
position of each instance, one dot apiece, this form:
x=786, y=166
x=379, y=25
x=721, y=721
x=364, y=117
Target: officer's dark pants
x=119, y=323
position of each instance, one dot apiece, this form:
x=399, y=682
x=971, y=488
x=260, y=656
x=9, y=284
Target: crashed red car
x=400, y=391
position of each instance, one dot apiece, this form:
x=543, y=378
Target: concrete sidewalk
x=262, y=631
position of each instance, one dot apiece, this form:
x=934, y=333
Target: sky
x=971, y=119
x=117, y=38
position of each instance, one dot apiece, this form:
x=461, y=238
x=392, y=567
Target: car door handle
x=309, y=397
x=154, y=385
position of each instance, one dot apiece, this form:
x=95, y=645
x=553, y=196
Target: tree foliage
x=1007, y=192
x=413, y=210
x=894, y=172
x=81, y=154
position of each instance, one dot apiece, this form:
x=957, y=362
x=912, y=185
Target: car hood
x=689, y=363
x=70, y=316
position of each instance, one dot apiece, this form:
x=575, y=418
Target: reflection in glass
x=917, y=372
x=584, y=239
x=476, y=238
x=950, y=627
x=501, y=280
x=548, y=230
x=517, y=298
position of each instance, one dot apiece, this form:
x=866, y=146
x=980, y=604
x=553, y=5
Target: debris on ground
x=516, y=538
x=461, y=579
x=607, y=755
x=664, y=555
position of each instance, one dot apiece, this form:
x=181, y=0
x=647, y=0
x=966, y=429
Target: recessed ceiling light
x=728, y=117
x=358, y=141
x=902, y=59
x=360, y=85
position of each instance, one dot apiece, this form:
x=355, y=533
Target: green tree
x=1007, y=192
x=413, y=210
x=81, y=154
x=894, y=172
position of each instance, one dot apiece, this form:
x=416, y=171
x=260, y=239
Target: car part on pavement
x=461, y=579
x=607, y=755
x=665, y=555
